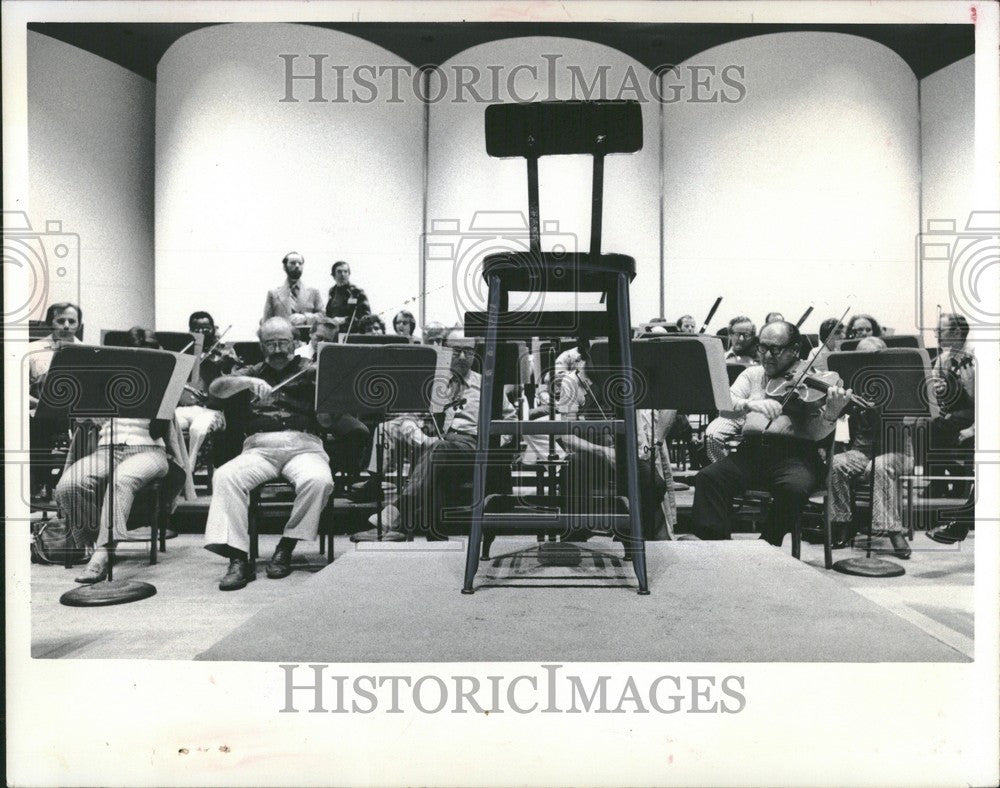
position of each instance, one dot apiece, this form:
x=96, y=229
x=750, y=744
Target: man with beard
x=282, y=440
x=293, y=300
x=779, y=452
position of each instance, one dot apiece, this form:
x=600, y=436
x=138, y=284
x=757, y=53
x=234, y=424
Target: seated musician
x=370, y=324
x=831, y=334
x=867, y=447
x=954, y=430
x=742, y=350
x=140, y=453
x=686, y=325
x=323, y=330
x=438, y=478
x=192, y=412
x=742, y=340
x=282, y=440
x=591, y=467
x=64, y=321
x=779, y=452
x=861, y=326
x=404, y=324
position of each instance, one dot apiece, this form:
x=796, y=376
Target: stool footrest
x=547, y=427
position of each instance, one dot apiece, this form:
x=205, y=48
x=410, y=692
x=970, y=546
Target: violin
x=803, y=395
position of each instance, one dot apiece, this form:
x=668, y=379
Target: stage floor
x=739, y=601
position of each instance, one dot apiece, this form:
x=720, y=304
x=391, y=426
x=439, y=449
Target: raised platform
x=739, y=601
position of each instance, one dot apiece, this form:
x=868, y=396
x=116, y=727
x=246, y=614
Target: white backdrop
x=90, y=167
x=243, y=178
x=463, y=180
x=807, y=190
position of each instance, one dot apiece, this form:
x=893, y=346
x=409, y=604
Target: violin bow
x=805, y=369
x=823, y=346
x=711, y=314
x=298, y=374
x=190, y=344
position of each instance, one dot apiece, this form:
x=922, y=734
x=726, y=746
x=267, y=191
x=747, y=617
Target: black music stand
x=892, y=342
x=249, y=353
x=378, y=380
x=377, y=339
x=898, y=382
x=85, y=381
x=686, y=373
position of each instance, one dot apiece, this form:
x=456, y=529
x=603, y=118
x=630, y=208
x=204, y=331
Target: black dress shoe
x=280, y=564
x=951, y=533
x=840, y=535
x=240, y=573
x=900, y=547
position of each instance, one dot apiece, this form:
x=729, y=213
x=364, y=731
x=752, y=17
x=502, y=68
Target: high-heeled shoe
x=900, y=547
x=94, y=572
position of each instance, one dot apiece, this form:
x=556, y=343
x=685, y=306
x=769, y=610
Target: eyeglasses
x=742, y=334
x=277, y=344
x=774, y=350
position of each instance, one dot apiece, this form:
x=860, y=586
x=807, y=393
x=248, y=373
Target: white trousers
x=198, y=421
x=298, y=457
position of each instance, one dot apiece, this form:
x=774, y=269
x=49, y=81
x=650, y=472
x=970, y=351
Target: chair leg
x=154, y=525
x=252, y=523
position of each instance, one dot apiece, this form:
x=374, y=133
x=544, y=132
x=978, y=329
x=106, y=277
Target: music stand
x=85, y=381
x=893, y=342
x=249, y=353
x=377, y=339
x=686, y=373
x=898, y=382
x=378, y=380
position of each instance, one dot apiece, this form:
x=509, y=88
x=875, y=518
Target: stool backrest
x=559, y=128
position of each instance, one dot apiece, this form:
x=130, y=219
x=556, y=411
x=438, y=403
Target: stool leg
x=621, y=327
x=483, y=438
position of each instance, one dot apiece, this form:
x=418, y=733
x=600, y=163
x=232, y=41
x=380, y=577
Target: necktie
x=295, y=290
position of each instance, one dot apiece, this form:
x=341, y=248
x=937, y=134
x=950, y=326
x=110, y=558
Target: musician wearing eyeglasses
x=282, y=439
x=779, y=452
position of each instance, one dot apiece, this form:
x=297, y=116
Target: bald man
x=282, y=440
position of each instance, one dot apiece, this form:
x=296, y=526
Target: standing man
x=347, y=302
x=779, y=453
x=282, y=439
x=293, y=300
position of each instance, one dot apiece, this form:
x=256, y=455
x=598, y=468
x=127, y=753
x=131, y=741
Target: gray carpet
x=740, y=601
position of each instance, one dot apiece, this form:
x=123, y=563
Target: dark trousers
x=946, y=454
x=439, y=480
x=789, y=470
